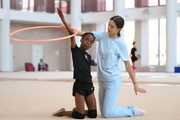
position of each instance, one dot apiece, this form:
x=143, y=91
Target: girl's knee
x=78, y=115
x=134, y=67
x=92, y=113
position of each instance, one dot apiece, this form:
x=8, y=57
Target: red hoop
x=38, y=40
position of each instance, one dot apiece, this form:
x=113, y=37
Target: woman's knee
x=92, y=113
x=107, y=114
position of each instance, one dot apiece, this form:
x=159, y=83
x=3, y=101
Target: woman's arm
x=131, y=73
x=80, y=33
x=70, y=31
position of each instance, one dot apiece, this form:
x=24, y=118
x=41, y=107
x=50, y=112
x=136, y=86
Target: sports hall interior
x=153, y=24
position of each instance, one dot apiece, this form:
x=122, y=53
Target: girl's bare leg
x=91, y=102
x=62, y=112
x=79, y=101
x=135, y=65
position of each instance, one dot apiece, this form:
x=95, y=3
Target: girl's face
x=112, y=29
x=135, y=45
x=87, y=42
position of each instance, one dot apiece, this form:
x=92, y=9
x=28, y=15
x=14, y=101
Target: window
x=31, y=5
x=178, y=40
x=153, y=42
x=96, y=5
x=25, y=5
x=157, y=42
x=153, y=2
x=162, y=2
x=109, y=5
x=129, y=3
x=162, y=54
x=64, y=6
x=129, y=30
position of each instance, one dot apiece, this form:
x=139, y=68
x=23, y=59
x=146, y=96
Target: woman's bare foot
x=59, y=112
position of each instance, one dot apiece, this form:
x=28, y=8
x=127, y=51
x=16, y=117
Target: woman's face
x=112, y=28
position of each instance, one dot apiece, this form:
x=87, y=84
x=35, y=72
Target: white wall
x=55, y=54
x=26, y=19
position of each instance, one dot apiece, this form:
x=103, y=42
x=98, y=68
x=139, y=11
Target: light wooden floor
x=34, y=96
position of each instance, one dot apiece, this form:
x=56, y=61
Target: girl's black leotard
x=133, y=57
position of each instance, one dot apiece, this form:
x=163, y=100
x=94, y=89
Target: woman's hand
x=138, y=89
x=131, y=73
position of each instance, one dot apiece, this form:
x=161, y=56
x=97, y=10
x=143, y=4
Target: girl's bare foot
x=59, y=112
x=74, y=109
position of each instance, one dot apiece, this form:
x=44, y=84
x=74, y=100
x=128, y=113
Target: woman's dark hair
x=87, y=34
x=119, y=21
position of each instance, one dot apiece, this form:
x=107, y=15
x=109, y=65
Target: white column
x=141, y=37
x=75, y=20
x=119, y=9
x=171, y=35
x=4, y=39
x=76, y=17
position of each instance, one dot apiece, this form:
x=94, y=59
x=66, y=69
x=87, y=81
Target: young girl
x=83, y=89
x=111, y=49
x=134, y=57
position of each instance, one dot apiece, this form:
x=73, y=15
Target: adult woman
x=110, y=50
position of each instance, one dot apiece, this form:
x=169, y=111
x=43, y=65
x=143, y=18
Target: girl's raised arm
x=70, y=31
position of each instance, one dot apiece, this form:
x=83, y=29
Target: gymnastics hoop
x=39, y=40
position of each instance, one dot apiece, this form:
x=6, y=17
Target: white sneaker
x=139, y=112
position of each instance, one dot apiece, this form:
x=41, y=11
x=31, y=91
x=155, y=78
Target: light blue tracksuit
x=109, y=52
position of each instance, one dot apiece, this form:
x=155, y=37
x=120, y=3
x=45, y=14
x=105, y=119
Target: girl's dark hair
x=119, y=21
x=134, y=42
x=87, y=33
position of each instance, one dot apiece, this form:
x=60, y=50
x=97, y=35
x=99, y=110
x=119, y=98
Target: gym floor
x=36, y=95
